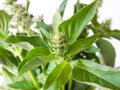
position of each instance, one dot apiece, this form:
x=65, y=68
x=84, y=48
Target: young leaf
x=62, y=7
x=107, y=51
x=45, y=34
x=80, y=45
x=23, y=85
x=74, y=26
x=114, y=34
x=91, y=73
x=33, y=59
x=58, y=77
x=43, y=25
x=78, y=6
x=34, y=40
x=57, y=19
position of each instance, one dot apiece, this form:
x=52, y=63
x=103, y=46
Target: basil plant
x=73, y=54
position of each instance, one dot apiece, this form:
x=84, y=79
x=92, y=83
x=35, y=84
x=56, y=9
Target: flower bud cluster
x=21, y=19
x=58, y=43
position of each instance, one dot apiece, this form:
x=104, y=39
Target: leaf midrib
x=98, y=76
x=59, y=73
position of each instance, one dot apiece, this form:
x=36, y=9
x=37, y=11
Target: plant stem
x=27, y=5
x=63, y=87
x=70, y=85
x=34, y=80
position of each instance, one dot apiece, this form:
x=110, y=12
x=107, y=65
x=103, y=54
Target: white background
x=109, y=9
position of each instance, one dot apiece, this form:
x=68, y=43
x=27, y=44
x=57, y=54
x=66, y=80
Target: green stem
x=70, y=85
x=34, y=80
x=63, y=87
x=27, y=4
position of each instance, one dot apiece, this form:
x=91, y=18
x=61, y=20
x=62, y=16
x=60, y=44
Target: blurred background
x=109, y=9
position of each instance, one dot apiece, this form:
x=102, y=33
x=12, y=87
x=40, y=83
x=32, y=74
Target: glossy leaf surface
x=89, y=72
x=33, y=59
x=58, y=77
x=80, y=45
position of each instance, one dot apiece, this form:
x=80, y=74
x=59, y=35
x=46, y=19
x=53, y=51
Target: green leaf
x=92, y=49
x=7, y=55
x=91, y=73
x=114, y=34
x=45, y=34
x=43, y=25
x=36, y=41
x=23, y=85
x=24, y=45
x=80, y=45
x=107, y=51
x=57, y=19
x=58, y=77
x=33, y=59
x=9, y=74
x=78, y=6
x=4, y=22
x=62, y=7
x=74, y=26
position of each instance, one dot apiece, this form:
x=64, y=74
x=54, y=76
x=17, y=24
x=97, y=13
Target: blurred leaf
x=79, y=86
x=49, y=67
x=58, y=77
x=80, y=45
x=45, y=34
x=9, y=74
x=114, y=34
x=78, y=6
x=43, y=25
x=74, y=26
x=107, y=51
x=62, y=7
x=34, y=40
x=92, y=49
x=95, y=21
x=24, y=45
x=57, y=19
x=27, y=5
x=91, y=73
x=23, y=85
x=4, y=22
x=8, y=56
x=33, y=59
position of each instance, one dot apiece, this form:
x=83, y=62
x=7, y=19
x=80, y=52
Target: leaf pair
x=34, y=58
x=74, y=26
